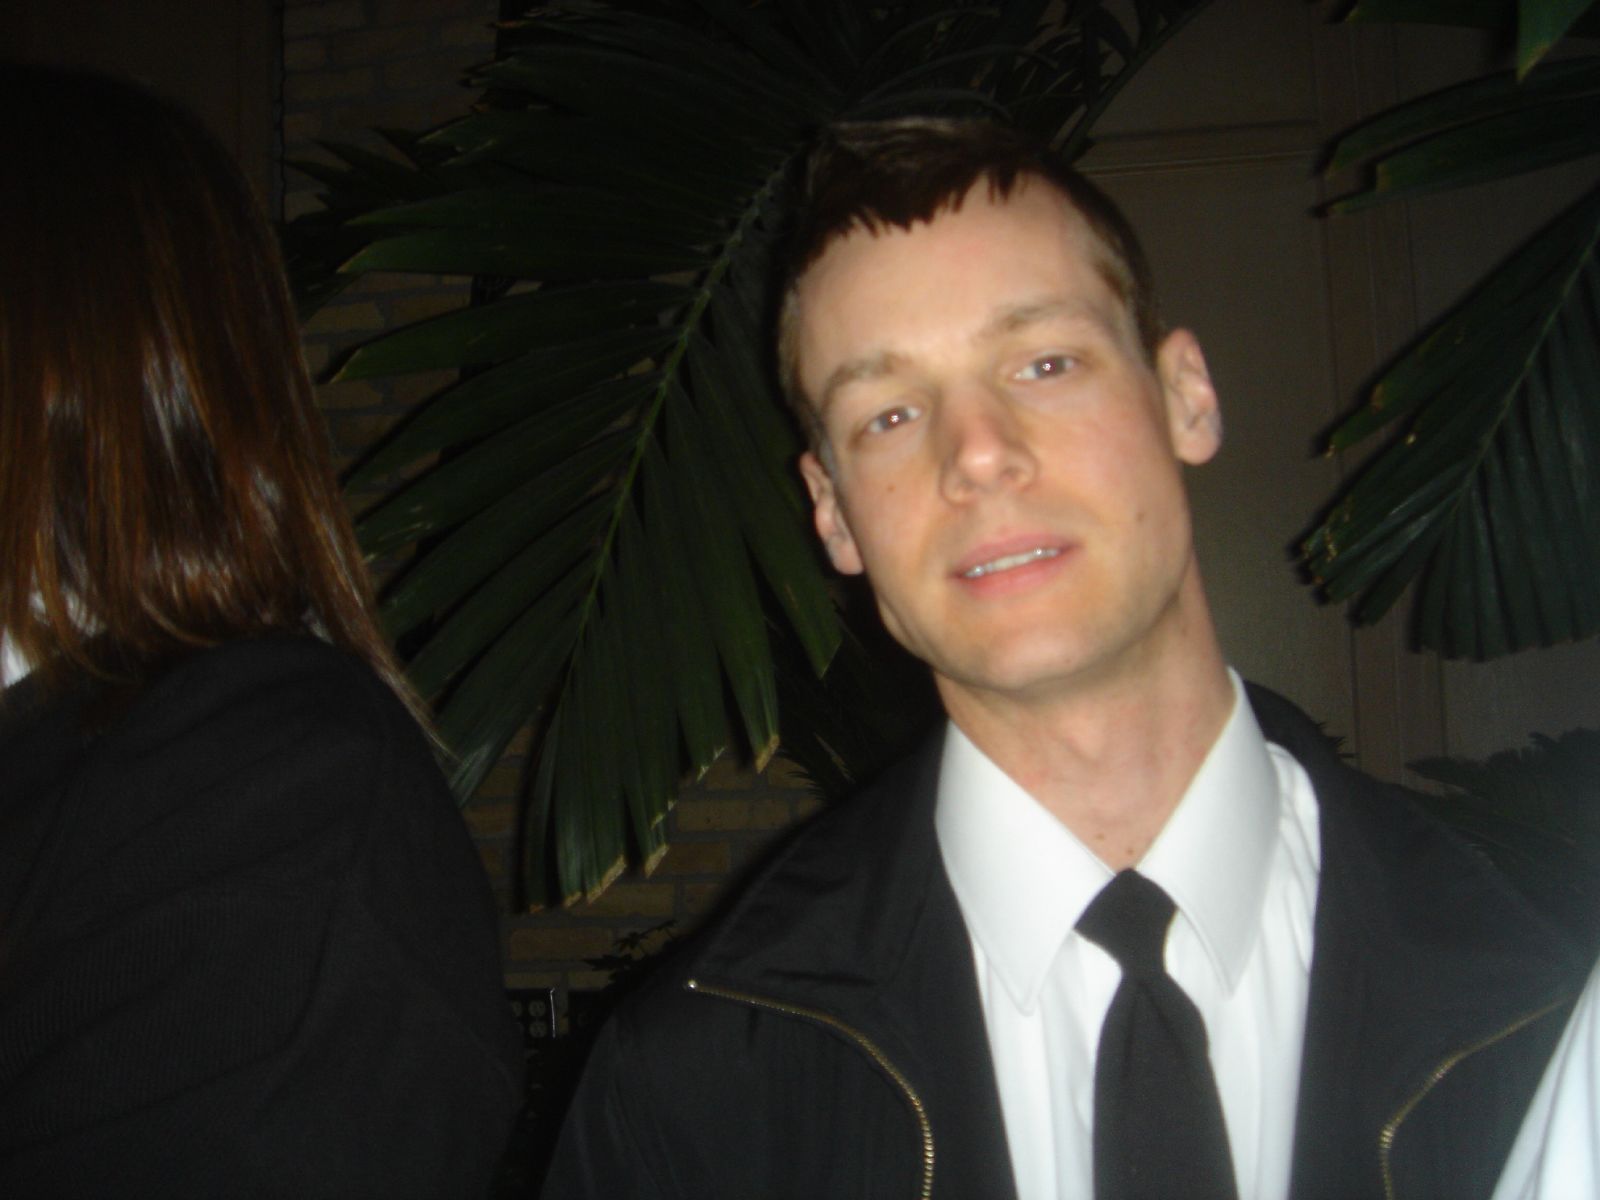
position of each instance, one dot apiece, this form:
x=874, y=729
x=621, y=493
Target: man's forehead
x=882, y=262
x=1037, y=207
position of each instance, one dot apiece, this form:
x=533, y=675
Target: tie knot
x=1128, y=920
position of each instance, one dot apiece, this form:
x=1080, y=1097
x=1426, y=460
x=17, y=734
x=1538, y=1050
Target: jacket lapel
x=936, y=1023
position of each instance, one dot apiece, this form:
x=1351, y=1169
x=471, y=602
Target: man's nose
x=985, y=446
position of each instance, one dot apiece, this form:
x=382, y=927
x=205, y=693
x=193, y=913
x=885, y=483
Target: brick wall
x=722, y=827
x=351, y=66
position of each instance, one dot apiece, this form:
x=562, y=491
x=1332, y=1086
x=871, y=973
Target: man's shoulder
x=758, y=1033
x=865, y=850
x=1357, y=809
x=840, y=897
x=1411, y=880
x=1436, y=988
x=1387, y=813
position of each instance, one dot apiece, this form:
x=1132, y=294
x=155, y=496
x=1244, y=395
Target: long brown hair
x=165, y=481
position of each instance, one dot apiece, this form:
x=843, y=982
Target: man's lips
x=1006, y=562
x=998, y=557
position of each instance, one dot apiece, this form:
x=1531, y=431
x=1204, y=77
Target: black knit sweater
x=246, y=946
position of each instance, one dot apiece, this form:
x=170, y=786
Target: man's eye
x=890, y=418
x=1047, y=367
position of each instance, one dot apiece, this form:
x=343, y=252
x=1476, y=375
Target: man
x=915, y=999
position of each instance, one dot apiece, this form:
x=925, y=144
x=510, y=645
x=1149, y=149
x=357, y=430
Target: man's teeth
x=1009, y=561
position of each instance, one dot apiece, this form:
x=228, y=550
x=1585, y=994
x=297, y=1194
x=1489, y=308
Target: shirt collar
x=1023, y=879
x=1214, y=854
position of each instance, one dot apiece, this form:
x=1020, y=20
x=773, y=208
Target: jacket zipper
x=1387, y=1135
x=861, y=1040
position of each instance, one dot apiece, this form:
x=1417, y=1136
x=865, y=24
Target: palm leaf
x=1485, y=500
x=1500, y=16
x=1541, y=24
x=1490, y=495
x=1489, y=97
x=610, y=538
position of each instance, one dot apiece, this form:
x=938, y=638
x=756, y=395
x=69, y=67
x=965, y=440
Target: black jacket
x=826, y=1039
x=246, y=946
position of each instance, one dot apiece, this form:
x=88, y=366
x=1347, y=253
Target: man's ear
x=1193, y=418
x=828, y=515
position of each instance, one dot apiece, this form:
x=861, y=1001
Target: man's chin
x=1024, y=677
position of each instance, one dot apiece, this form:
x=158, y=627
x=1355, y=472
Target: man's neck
x=1111, y=758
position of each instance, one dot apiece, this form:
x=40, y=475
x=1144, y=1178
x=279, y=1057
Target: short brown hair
x=872, y=174
x=165, y=479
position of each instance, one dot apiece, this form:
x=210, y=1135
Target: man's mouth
x=1007, y=562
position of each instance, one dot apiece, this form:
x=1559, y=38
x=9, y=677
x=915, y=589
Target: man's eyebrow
x=868, y=366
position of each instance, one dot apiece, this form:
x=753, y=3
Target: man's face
x=1006, y=463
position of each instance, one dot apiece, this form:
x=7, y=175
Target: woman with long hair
x=246, y=945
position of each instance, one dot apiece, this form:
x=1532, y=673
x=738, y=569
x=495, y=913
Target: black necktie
x=1158, y=1128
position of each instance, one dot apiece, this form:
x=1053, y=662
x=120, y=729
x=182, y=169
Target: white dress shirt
x=12, y=665
x=1557, y=1154
x=1239, y=856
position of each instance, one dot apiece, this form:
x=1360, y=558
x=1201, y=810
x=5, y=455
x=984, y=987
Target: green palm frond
x=1543, y=23
x=1487, y=129
x=1491, y=495
x=1488, y=498
x=612, y=541
x=1537, y=24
